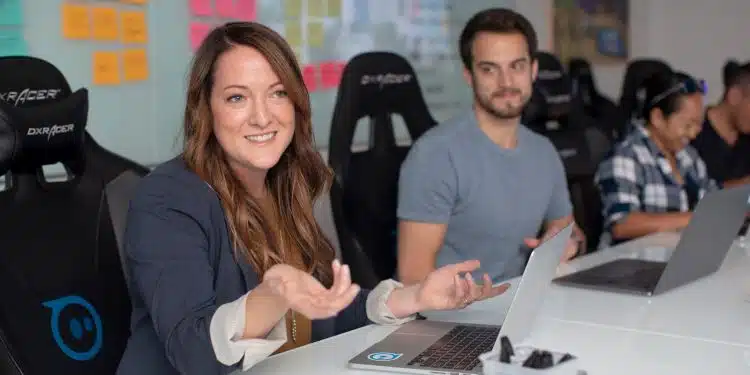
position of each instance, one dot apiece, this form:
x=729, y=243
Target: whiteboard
x=142, y=119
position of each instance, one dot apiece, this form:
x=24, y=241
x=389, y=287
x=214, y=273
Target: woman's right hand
x=306, y=295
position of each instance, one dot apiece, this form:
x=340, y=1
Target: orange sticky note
x=105, y=68
x=104, y=23
x=134, y=29
x=138, y=2
x=135, y=64
x=75, y=21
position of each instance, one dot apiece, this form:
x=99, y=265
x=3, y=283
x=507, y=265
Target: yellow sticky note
x=134, y=29
x=334, y=8
x=105, y=68
x=292, y=9
x=316, y=8
x=75, y=21
x=135, y=65
x=315, y=33
x=104, y=23
x=293, y=33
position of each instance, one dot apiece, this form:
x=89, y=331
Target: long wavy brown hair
x=301, y=175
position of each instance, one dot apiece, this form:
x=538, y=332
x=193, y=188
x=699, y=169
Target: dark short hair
x=496, y=20
x=735, y=74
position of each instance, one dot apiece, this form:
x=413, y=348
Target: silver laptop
x=703, y=245
x=432, y=347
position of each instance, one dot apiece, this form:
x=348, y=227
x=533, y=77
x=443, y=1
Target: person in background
x=724, y=142
x=225, y=261
x=483, y=186
x=653, y=179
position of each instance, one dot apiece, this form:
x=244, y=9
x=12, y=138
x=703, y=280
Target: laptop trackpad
x=424, y=328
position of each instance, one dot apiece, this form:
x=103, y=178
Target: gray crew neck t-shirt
x=491, y=198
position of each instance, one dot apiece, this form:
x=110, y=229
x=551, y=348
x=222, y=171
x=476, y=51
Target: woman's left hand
x=453, y=287
x=447, y=288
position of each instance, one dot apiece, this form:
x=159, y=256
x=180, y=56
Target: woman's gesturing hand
x=306, y=295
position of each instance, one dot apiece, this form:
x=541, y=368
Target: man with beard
x=482, y=186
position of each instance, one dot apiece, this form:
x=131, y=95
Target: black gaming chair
x=630, y=104
x=570, y=130
x=595, y=104
x=364, y=194
x=66, y=309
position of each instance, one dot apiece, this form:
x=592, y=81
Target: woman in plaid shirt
x=653, y=179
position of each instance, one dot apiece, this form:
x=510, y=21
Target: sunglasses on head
x=693, y=86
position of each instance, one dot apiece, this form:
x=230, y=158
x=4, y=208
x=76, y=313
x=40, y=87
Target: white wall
x=695, y=36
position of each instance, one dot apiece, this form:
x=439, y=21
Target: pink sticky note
x=225, y=8
x=246, y=10
x=330, y=73
x=198, y=32
x=310, y=77
x=201, y=7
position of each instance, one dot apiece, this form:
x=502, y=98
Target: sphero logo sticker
x=76, y=327
x=384, y=356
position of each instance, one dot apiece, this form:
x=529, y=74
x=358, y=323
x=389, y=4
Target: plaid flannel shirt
x=636, y=177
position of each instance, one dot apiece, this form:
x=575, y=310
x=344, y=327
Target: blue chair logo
x=75, y=327
x=384, y=356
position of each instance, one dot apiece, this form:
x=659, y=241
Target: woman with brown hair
x=226, y=262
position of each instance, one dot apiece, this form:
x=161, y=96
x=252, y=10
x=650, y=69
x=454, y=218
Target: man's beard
x=505, y=113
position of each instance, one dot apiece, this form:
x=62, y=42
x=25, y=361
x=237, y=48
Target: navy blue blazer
x=181, y=267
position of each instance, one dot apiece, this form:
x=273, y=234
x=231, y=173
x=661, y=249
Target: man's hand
x=576, y=243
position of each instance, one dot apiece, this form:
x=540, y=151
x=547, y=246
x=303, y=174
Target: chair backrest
x=631, y=97
x=563, y=121
x=595, y=104
x=67, y=307
x=552, y=102
x=364, y=195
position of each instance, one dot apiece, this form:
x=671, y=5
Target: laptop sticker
x=384, y=356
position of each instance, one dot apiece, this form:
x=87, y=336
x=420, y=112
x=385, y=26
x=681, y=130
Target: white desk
x=715, y=308
x=601, y=350
x=702, y=328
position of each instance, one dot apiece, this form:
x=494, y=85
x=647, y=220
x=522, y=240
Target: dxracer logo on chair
x=76, y=327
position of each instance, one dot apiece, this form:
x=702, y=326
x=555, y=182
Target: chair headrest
x=380, y=82
x=44, y=134
x=552, y=98
x=578, y=67
x=41, y=121
x=582, y=78
x=34, y=81
x=375, y=85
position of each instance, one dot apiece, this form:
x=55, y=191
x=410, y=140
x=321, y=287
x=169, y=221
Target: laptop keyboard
x=458, y=349
x=638, y=274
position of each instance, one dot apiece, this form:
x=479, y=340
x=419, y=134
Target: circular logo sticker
x=76, y=327
x=384, y=356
